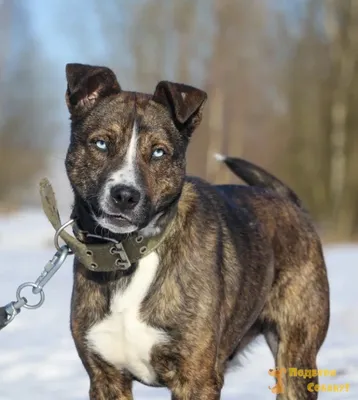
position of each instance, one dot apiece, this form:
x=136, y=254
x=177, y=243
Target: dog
x=277, y=373
x=221, y=265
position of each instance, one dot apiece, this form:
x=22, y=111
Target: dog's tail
x=256, y=176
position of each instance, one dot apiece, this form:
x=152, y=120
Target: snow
x=38, y=359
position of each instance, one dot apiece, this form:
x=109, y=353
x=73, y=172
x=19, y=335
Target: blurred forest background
x=282, y=80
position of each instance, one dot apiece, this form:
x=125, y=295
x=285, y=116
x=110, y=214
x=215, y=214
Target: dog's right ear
x=185, y=104
x=86, y=85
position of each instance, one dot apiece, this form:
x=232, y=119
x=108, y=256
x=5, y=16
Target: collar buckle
x=122, y=262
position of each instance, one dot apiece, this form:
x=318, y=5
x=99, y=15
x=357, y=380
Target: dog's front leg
x=197, y=390
x=202, y=382
x=106, y=382
x=104, y=389
x=102, y=392
x=89, y=305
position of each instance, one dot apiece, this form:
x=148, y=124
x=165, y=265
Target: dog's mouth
x=117, y=217
x=101, y=213
x=117, y=222
x=114, y=222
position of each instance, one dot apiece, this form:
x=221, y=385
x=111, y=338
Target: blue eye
x=101, y=144
x=158, y=153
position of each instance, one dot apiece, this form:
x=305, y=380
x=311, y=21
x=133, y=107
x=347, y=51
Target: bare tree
x=341, y=24
x=24, y=127
x=320, y=88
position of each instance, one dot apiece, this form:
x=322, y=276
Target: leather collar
x=108, y=254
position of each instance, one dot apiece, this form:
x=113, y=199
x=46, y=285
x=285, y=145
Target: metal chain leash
x=10, y=311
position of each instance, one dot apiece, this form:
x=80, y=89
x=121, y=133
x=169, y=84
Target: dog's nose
x=126, y=197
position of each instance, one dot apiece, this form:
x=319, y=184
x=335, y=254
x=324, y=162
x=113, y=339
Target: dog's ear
x=185, y=103
x=86, y=85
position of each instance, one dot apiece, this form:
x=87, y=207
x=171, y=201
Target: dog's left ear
x=185, y=103
x=86, y=85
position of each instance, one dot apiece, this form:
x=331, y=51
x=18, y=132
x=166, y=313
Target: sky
x=56, y=23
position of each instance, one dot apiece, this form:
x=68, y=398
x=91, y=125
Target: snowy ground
x=38, y=360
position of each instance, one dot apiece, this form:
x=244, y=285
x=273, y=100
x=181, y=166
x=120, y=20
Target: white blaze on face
x=126, y=175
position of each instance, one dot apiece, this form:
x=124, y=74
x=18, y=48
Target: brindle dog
x=235, y=262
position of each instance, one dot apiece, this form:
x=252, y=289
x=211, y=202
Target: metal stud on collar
x=123, y=261
x=139, y=239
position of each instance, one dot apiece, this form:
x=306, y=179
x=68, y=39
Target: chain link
x=10, y=311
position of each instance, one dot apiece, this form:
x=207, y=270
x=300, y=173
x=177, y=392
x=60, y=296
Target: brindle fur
x=239, y=261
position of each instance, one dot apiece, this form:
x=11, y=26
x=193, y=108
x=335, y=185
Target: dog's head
x=126, y=159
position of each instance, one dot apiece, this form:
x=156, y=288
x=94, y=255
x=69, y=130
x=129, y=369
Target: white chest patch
x=122, y=339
